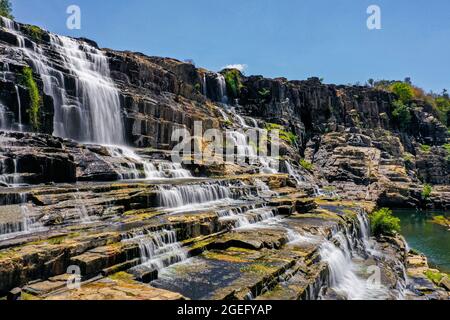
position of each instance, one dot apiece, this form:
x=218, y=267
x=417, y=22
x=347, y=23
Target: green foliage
x=35, y=32
x=264, y=93
x=382, y=222
x=401, y=114
x=6, y=9
x=198, y=87
x=408, y=157
x=403, y=90
x=442, y=104
x=434, y=276
x=33, y=110
x=447, y=147
x=425, y=148
x=233, y=81
x=426, y=191
x=287, y=136
x=306, y=165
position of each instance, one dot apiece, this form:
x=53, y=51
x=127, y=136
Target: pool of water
x=431, y=239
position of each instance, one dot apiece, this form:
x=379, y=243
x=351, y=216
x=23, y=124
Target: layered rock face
x=86, y=180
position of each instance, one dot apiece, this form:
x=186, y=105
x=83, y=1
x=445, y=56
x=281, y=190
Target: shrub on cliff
x=284, y=135
x=35, y=32
x=382, y=222
x=426, y=191
x=403, y=90
x=33, y=110
x=233, y=82
x=6, y=9
x=401, y=114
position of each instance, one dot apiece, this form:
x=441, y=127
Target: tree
x=6, y=9
x=403, y=90
x=401, y=114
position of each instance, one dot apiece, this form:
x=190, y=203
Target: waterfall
x=222, y=86
x=19, y=109
x=178, y=196
x=157, y=250
x=204, y=86
x=91, y=112
x=264, y=190
x=239, y=140
x=4, y=123
x=99, y=103
x=244, y=218
x=162, y=169
x=81, y=208
x=339, y=252
x=297, y=177
x=25, y=225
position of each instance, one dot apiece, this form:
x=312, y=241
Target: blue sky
x=291, y=38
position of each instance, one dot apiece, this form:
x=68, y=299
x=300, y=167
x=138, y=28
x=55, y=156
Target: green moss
x=122, y=276
x=35, y=32
x=56, y=240
x=408, y=157
x=425, y=148
x=33, y=110
x=284, y=135
x=426, y=191
x=233, y=82
x=434, y=276
x=259, y=268
x=384, y=223
x=27, y=296
x=306, y=164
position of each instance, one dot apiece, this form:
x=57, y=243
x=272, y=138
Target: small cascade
x=4, y=123
x=339, y=253
x=19, y=109
x=223, y=114
x=320, y=192
x=222, y=88
x=294, y=174
x=178, y=196
x=243, y=148
x=296, y=238
x=81, y=208
x=136, y=167
x=10, y=179
x=27, y=224
x=204, y=85
x=264, y=190
x=248, y=217
x=158, y=250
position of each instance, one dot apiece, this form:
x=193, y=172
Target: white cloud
x=239, y=66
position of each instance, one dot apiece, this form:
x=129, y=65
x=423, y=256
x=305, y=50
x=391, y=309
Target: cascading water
x=178, y=196
x=339, y=252
x=89, y=109
x=294, y=174
x=158, y=250
x=157, y=170
x=99, y=104
x=25, y=225
x=19, y=110
x=222, y=87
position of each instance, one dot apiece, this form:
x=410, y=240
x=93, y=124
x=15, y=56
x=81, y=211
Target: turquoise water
x=431, y=239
